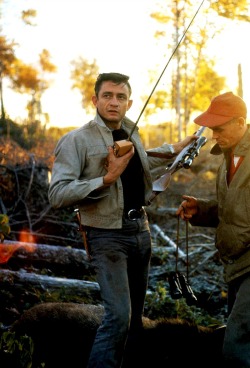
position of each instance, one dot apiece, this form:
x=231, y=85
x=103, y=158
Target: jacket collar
x=127, y=124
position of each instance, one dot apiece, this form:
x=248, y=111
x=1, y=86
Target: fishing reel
x=121, y=147
x=179, y=287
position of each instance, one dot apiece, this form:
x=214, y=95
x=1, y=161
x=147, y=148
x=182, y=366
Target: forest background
x=27, y=143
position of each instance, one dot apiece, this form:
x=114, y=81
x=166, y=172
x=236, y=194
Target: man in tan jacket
x=230, y=214
x=111, y=191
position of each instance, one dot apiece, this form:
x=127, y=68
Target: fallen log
x=161, y=211
x=44, y=252
x=22, y=282
x=72, y=262
x=63, y=261
x=168, y=242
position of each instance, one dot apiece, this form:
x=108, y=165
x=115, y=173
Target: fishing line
x=157, y=82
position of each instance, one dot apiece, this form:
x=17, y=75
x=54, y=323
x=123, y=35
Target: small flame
x=26, y=237
x=7, y=250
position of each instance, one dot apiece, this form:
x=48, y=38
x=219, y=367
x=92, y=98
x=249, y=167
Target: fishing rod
x=123, y=146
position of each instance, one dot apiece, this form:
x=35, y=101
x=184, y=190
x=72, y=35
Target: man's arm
x=199, y=212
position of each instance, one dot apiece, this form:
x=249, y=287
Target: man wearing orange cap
x=230, y=214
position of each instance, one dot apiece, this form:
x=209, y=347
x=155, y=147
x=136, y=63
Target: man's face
x=230, y=133
x=112, y=101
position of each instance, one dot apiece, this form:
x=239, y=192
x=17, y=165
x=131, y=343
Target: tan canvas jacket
x=231, y=214
x=77, y=175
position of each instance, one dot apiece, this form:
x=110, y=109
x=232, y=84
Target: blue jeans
x=121, y=258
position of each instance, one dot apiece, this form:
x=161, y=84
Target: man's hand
x=116, y=165
x=187, y=208
x=178, y=147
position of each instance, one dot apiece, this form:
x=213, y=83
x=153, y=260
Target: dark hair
x=117, y=78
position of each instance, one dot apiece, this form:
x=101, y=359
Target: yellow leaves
x=84, y=74
x=29, y=79
x=28, y=15
x=46, y=65
x=25, y=77
x=7, y=55
x=3, y=219
x=231, y=9
x=4, y=227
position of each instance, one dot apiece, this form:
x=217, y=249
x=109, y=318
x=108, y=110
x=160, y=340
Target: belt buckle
x=134, y=214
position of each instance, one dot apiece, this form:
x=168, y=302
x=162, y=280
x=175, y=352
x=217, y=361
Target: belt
x=134, y=214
